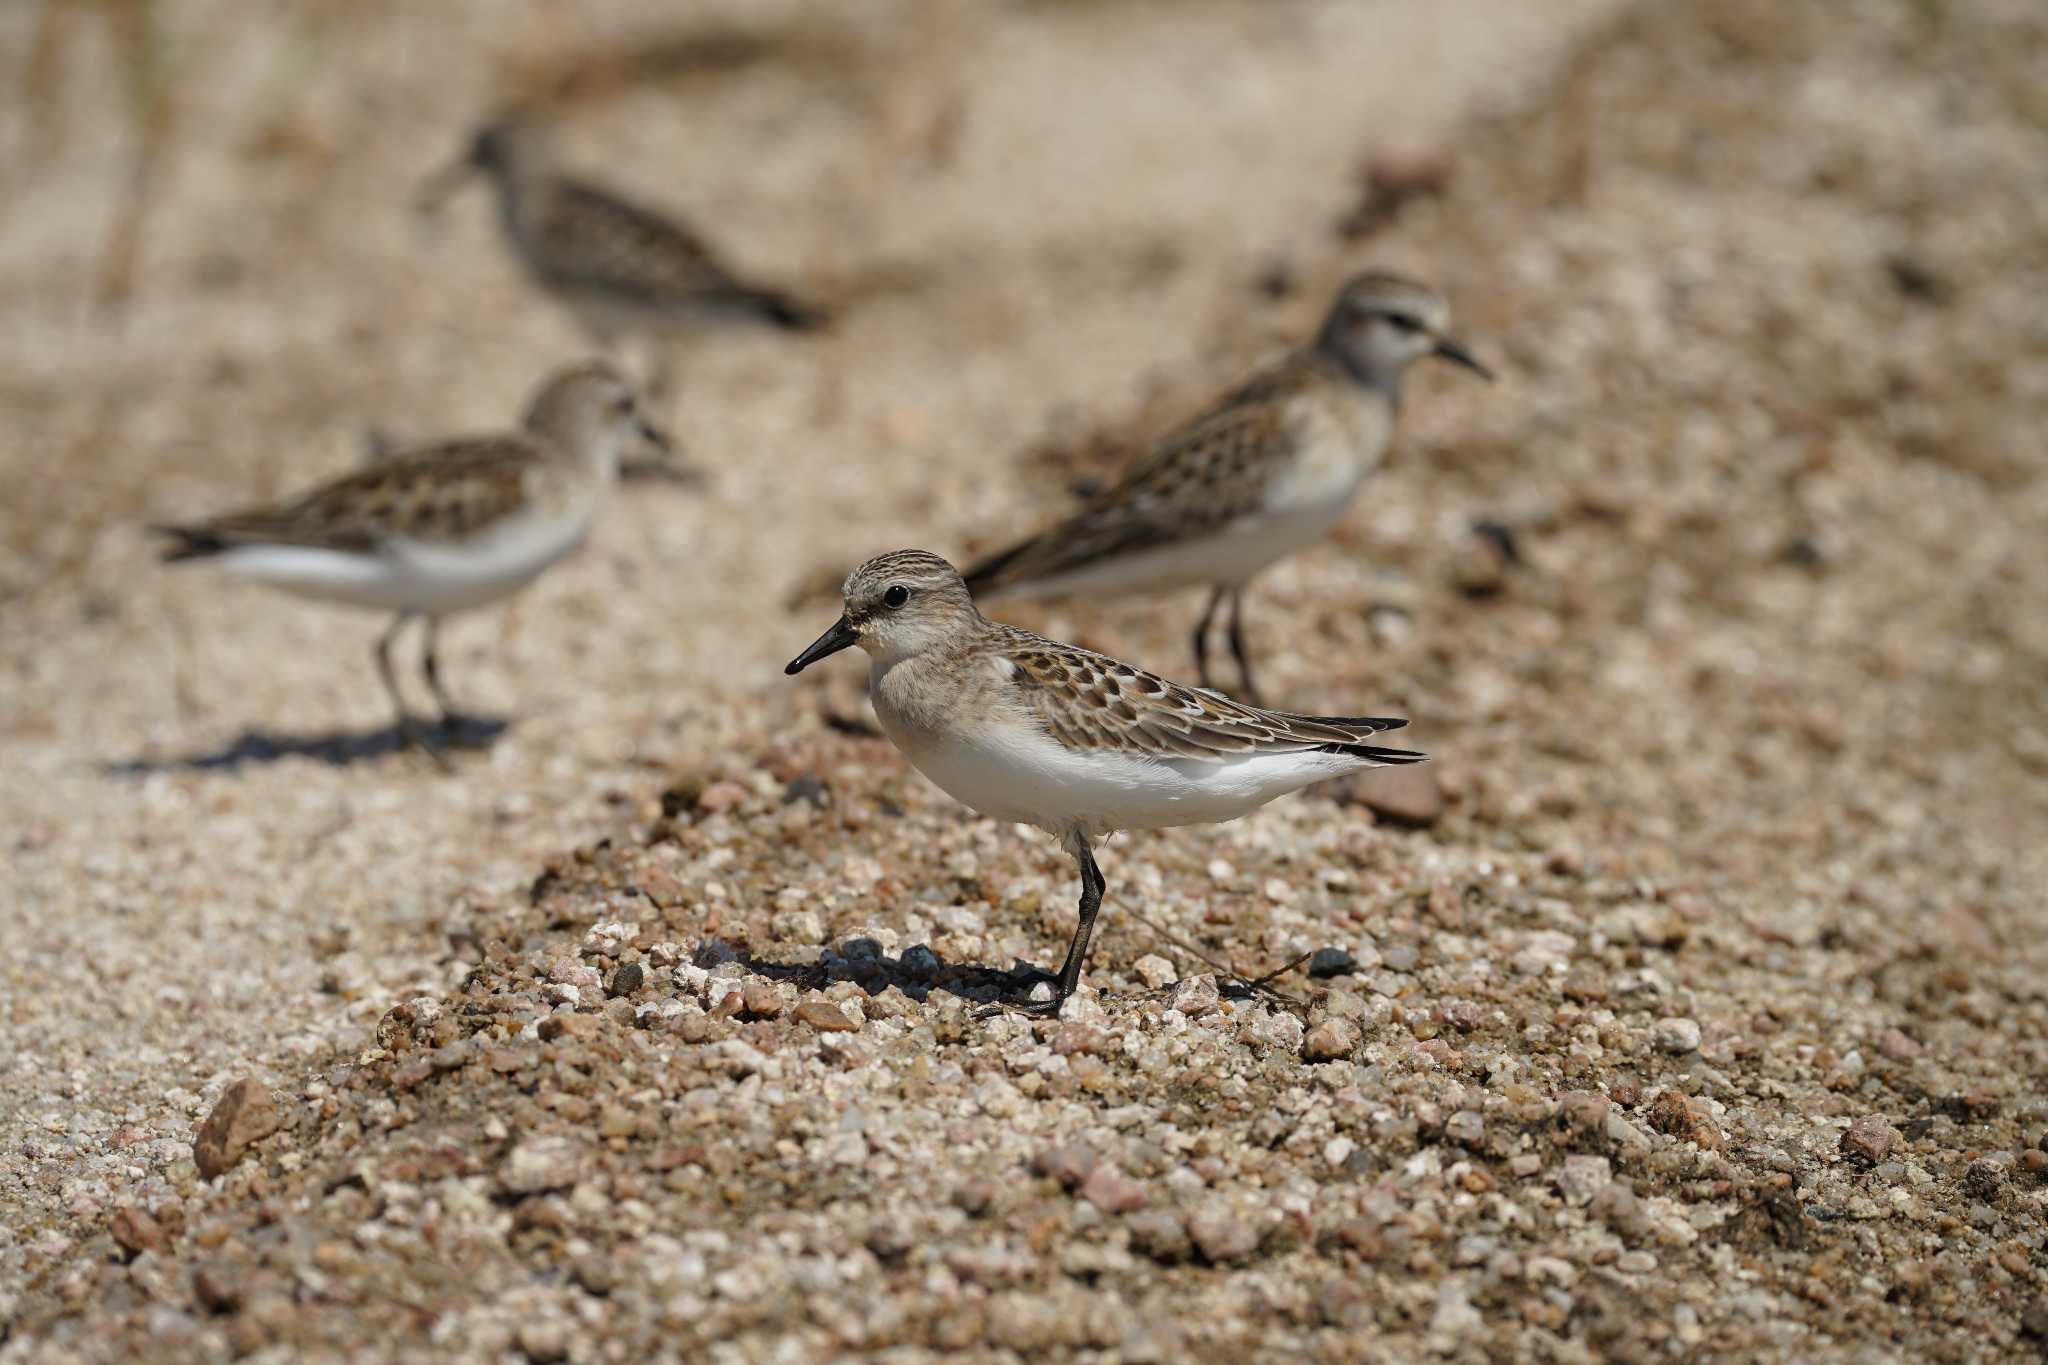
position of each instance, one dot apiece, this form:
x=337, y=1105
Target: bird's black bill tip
x=1457, y=354
x=435, y=189
x=841, y=636
x=657, y=438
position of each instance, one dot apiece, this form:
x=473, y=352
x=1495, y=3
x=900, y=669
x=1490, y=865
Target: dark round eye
x=623, y=405
x=896, y=596
x=1403, y=322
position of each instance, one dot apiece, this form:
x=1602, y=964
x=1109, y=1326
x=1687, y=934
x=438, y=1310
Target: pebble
x=1584, y=1111
x=1274, y=1028
x=541, y=1163
x=1330, y=1041
x=1687, y=1117
x=566, y=971
x=1197, y=996
x=1159, y=1234
x=1110, y=1190
x=1868, y=1139
x=721, y=796
x=974, y=1197
x=919, y=962
x=137, y=1232
x=1581, y=1177
x=825, y=1017
x=1329, y=962
x=544, y=1342
x=1221, y=1234
x=1678, y=1036
x=626, y=980
x=1155, y=971
x=216, y=1289
x=1454, y=1316
x=1068, y=1165
x=1985, y=1176
x=244, y=1114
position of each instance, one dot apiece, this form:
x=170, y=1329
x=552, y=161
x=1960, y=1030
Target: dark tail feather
x=790, y=314
x=193, y=542
x=1372, y=753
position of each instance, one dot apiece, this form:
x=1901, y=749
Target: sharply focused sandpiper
x=618, y=267
x=1265, y=471
x=443, y=527
x=1030, y=730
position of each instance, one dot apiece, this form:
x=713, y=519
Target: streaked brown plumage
x=618, y=266
x=1264, y=471
x=441, y=527
x=1027, y=729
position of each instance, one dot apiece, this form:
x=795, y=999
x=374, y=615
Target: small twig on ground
x=1249, y=983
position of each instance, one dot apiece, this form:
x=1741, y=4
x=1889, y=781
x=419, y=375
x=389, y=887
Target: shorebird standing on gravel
x=1265, y=471
x=440, y=528
x=618, y=267
x=1029, y=730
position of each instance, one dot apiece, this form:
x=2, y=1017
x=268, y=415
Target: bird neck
x=1344, y=361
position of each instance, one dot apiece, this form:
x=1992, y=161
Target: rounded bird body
x=1027, y=729
x=1267, y=471
x=445, y=527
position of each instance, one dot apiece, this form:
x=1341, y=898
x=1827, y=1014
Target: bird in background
x=620, y=268
x=1265, y=471
x=439, y=528
x=1029, y=730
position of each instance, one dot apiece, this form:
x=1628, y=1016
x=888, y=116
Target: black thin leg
x=1092, y=887
x=431, y=664
x=1237, y=649
x=407, y=725
x=1202, y=637
x=661, y=372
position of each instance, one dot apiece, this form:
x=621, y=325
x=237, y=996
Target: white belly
x=410, y=576
x=1014, y=773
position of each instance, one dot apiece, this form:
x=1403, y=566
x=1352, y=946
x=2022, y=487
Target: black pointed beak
x=656, y=438
x=832, y=641
x=436, y=188
x=1452, y=351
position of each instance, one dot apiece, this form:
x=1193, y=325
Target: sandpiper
x=1029, y=730
x=1262, y=473
x=443, y=527
x=620, y=268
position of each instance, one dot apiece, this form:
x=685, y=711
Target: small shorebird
x=617, y=266
x=1033, y=731
x=1262, y=473
x=443, y=527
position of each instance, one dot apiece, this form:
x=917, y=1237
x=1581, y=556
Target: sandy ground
x=1707, y=1020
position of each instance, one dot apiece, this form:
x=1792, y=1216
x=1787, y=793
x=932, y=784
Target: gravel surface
x=1692, y=1007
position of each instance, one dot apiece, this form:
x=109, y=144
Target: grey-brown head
x=1380, y=324
x=592, y=411
x=898, y=605
x=508, y=149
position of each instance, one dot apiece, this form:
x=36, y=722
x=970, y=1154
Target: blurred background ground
x=1741, y=761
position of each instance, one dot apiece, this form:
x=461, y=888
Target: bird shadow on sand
x=337, y=748
x=919, y=975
